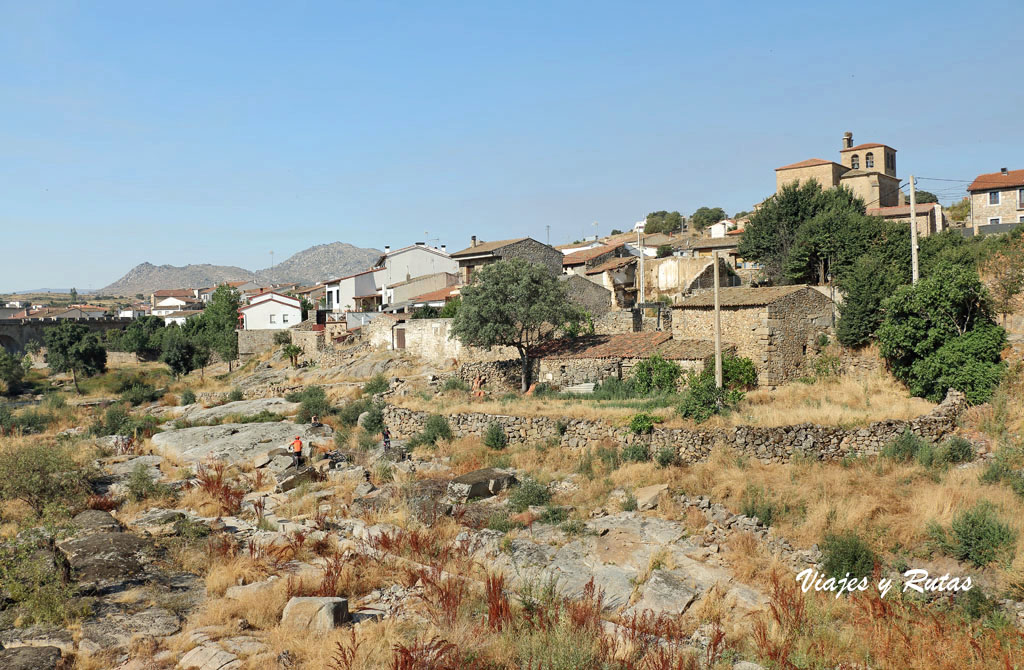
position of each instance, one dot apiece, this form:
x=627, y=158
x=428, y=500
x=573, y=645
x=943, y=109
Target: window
x=890, y=161
x=855, y=162
x=1022, y=218
x=273, y=318
x=994, y=221
x=993, y=198
x=1020, y=198
x=869, y=160
x=284, y=318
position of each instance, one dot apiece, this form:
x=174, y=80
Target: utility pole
x=549, y=234
x=913, y=230
x=718, y=328
x=640, y=245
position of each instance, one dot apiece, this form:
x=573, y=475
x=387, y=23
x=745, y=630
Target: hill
x=307, y=267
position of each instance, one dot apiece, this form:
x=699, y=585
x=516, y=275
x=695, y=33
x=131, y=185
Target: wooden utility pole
x=718, y=328
x=913, y=230
x=640, y=245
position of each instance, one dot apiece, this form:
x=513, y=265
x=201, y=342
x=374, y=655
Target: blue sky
x=215, y=132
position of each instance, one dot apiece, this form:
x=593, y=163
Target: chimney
x=847, y=140
x=421, y=244
x=387, y=249
x=444, y=248
x=472, y=241
x=1003, y=171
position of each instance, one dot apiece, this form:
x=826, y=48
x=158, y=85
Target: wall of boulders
x=777, y=444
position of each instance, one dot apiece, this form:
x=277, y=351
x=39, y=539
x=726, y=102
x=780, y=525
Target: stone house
x=594, y=358
x=675, y=276
x=397, y=296
x=869, y=170
x=590, y=296
x=930, y=217
x=481, y=253
x=773, y=326
x=997, y=198
x=618, y=275
x=429, y=339
x=578, y=262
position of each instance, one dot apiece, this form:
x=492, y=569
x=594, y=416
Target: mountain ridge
x=308, y=266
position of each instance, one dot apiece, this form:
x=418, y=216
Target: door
x=399, y=338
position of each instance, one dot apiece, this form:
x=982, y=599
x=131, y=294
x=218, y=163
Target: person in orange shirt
x=297, y=452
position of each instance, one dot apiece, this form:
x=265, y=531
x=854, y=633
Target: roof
x=994, y=180
x=611, y=264
x=580, y=257
x=867, y=145
x=810, y=162
x=901, y=210
x=183, y=313
x=625, y=345
x=710, y=243
x=439, y=294
x=264, y=302
x=421, y=278
x=425, y=247
x=487, y=247
x=173, y=292
x=364, y=272
x=742, y=296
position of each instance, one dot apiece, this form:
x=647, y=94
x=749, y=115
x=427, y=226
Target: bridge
x=15, y=334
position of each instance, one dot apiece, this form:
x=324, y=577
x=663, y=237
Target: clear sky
x=215, y=132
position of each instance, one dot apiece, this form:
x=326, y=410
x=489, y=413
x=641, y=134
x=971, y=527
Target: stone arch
x=9, y=344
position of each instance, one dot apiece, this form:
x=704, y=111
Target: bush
x=636, y=453
x=26, y=422
x=844, y=553
x=436, y=428
x=656, y=375
x=141, y=485
x=756, y=503
x=263, y=416
x=554, y=515
x=118, y=421
x=235, y=395
x=906, y=447
x=957, y=450
x=500, y=522
x=313, y=402
x=341, y=437
x=377, y=384
x=140, y=393
x=34, y=582
x=529, y=493
x=454, y=384
x=282, y=337
x=643, y=423
x=738, y=373
x=349, y=414
x=609, y=456
x=373, y=422
x=188, y=397
x=665, y=457
x=976, y=535
x=702, y=399
x=495, y=437
x=629, y=503
x=42, y=474
x=613, y=388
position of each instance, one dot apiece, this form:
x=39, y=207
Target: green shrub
x=141, y=485
x=561, y=427
x=529, y=493
x=629, y=503
x=613, y=388
x=119, y=421
x=976, y=535
x=822, y=341
x=738, y=373
x=366, y=441
x=188, y=397
x=282, y=337
x=41, y=475
x=35, y=584
x=844, y=553
x=435, y=428
x=27, y=422
x=636, y=453
x=656, y=375
x=554, y=515
x=263, y=416
x=827, y=366
x=454, y=384
x=574, y=527
x=609, y=456
x=905, y=447
x=235, y=395
x=500, y=522
x=756, y=503
x=140, y=393
x=665, y=457
x=373, y=422
x=495, y=436
x=349, y=414
x=191, y=530
x=377, y=384
x=313, y=402
x=643, y=423
x=957, y=450
x=702, y=399
x=342, y=434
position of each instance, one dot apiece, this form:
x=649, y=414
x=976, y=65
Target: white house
x=181, y=317
x=131, y=313
x=415, y=260
x=360, y=292
x=271, y=311
x=171, y=304
x=721, y=228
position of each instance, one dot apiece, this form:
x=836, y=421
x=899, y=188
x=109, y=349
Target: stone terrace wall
x=768, y=444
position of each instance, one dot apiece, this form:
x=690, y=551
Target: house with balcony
x=997, y=199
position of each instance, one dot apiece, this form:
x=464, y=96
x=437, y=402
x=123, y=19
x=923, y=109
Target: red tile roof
x=810, y=162
x=611, y=264
x=173, y=292
x=580, y=257
x=439, y=294
x=868, y=145
x=901, y=210
x=997, y=180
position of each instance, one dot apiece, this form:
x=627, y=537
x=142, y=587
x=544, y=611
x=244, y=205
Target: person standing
x=297, y=452
x=386, y=435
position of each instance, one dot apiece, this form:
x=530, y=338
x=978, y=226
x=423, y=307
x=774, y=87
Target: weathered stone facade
x=768, y=444
x=430, y=339
x=774, y=327
x=484, y=253
x=594, y=298
x=254, y=342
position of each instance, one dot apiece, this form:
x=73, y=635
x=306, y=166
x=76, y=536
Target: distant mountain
x=309, y=266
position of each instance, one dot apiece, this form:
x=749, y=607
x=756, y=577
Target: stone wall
x=311, y=342
x=431, y=340
x=253, y=342
x=498, y=375
x=615, y=322
x=768, y=444
x=592, y=297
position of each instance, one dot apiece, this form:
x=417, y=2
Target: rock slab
x=315, y=614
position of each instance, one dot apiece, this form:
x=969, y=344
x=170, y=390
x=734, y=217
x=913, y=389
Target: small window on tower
x=855, y=162
x=869, y=160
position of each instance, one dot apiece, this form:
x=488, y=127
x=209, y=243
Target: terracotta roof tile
x=439, y=294
x=486, y=247
x=995, y=180
x=611, y=264
x=580, y=257
x=810, y=162
x=867, y=145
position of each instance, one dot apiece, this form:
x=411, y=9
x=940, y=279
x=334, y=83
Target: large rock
x=315, y=614
x=666, y=592
x=234, y=442
x=198, y=413
x=480, y=484
x=291, y=478
x=95, y=521
x=116, y=631
x=100, y=560
x=29, y=658
x=649, y=496
x=209, y=657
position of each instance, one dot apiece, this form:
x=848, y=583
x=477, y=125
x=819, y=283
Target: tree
x=740, y=214
x=219, y=321
x=306, y=306
x=923, y=197
x=832, y=239
x=939, y=334
x=663, y=222
x=74, y=296
x=11, y=370
x=70, y=347
x=1005, y=270
x=178, y=352
x=959, y=211
x=870, y=281
x=513, y=303
x=616, y=231
x=292, y=351
x=664, y=250
x=451, y=308
x=427, y=312
x=201, y=357
x=706, y=216
x=140, y=337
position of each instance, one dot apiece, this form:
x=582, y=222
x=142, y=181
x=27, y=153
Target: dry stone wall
x=768, y=444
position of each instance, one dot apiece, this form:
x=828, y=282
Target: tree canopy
x=218, y=322
x=663, y=222
x=70, y=347
x=923, y=197
x=513, y=303
x=706, y=216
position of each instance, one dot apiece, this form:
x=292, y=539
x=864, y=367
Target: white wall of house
x=341, y=293
x=270, y=314
x=414, y=261
x=168, y=305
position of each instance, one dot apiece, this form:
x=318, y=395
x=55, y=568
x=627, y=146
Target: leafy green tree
x=178, y=352
x=70, y=347
x=140, y=337
x=307, y=306
x=513, y=303
x=939, y=334
x=201, y=357
x=664, y=250
x=292, y=351
x=451, y=308
x=924, y=197
x=656, y=375
x=959, y=211
x=427, y=312
x=740, y=214
x=40, y=475
x=663, y=222
x=871, y=280
x=11, y=370
x=1005, y=270
x=220, y=320
x=706, y=216
x=830, y=242
x=74, y=296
